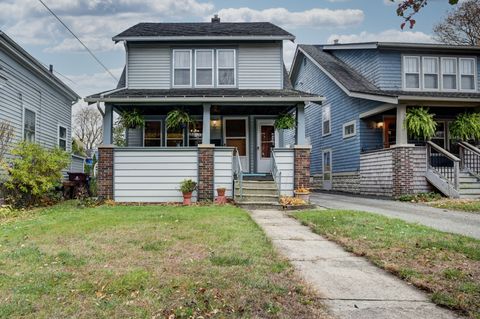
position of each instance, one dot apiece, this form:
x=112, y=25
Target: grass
x=466, y=205
x=446, y=265
x=145, y=262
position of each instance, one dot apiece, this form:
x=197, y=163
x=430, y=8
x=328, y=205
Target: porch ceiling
x=155, y=109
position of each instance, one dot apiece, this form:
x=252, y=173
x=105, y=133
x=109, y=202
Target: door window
x=267, y=140
x=327, y=165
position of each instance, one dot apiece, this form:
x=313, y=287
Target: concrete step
x=469, y=185
x=469, y=196
x=470, y=191
x=468, y=180
x=259, y=205
x=257, y=198
x=257, y=191
x=255, y=183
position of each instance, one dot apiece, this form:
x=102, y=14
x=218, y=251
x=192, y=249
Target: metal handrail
x=441, y=164
x=470, y=158
x=275, y=171
x=238, y=170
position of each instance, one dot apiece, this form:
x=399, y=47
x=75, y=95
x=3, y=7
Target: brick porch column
x=105, y=171
x=205, y=172
x=302, y=166
x=403, y=170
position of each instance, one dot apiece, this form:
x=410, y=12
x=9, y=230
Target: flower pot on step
x=303, y=195
x=187, y=198
x=221, y=199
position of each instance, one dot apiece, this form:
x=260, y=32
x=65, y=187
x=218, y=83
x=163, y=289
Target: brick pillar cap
x=106, y=146
x=206, y=145
x=302, y=147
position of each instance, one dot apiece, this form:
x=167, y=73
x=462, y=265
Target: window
x=467, y=74
x=29, y=125
x=326, y=126
x=411, y=66
x=62, y=137
x=430, y=73
x=175, y=137
x=182, y=67
x=236, y=135
x=152, y=134
x=195, y=133
x=226, y=67
x=204, y=68
x=449, y=73
x=349, y=129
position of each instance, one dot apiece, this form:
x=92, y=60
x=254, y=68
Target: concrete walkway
x=349, y=285
x=467, y=224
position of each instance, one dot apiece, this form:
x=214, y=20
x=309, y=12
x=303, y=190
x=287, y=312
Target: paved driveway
x=454, y=222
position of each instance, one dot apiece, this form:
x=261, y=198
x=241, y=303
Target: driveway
x=467, y=224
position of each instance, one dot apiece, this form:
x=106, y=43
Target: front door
x=389, y=131
x=235, y=134
x=265, y=143
x=327, y=169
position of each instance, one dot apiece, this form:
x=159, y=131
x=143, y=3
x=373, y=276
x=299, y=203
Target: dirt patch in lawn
x=466, y=205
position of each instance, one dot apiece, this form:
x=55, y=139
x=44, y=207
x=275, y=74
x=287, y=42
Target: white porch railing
x=276, y=174
x=238, y=172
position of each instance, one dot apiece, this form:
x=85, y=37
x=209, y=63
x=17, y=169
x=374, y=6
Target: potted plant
x=303, y=193
x=221, y=199
x=178, y=118
x=187, y=187
x=420, y=123
x=466, y=127
x=221, y=191
x=131, y=119
x=285, y=122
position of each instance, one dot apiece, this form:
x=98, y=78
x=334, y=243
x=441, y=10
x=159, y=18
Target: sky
x=97, y=21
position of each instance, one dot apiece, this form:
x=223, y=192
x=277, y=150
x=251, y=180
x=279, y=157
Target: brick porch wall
x=105, y=172
x=205, y=172
x=403, y=170
x=302, y=166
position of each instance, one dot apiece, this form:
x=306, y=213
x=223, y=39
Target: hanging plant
x=285, y=122
x=131, y=119
x=178, y=118
x=420, y=123
x=466, y=127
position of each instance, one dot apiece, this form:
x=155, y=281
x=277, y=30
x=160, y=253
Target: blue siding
x=365, y=62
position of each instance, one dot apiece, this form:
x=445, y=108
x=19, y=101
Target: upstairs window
x=449, y=74
x=204, y=68
x=430, y=73
x=62, y=137
x=29, y=125
x=326, y=123
x=182, y=68
x=226, y=67
x=412, y=72
x=467, y=74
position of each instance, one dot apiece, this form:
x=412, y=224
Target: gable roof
x=401, y=46
x=204, y=30
x=15, y=50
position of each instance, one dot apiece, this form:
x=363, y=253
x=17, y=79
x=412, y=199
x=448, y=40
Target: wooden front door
x=389, y=131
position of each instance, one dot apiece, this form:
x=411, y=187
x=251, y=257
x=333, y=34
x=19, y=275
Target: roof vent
x=215, y=19
x=336, y=41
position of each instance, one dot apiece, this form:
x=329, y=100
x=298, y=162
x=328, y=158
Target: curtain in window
x=226, y=67
x=182, y=63
x=449, y=67
x=467, y=70
x=204, y=67
x=430, y=70
x=412, y=72
x=29, y=125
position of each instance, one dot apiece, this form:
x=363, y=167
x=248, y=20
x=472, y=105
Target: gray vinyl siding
x=260, y=66
x=149, y=67
x=223, y=168
x=134, y=137
x=24, y=89
x=285, y=163
x=77, y=164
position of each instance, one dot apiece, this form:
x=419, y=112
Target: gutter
x=220, y=99
x=202, y=38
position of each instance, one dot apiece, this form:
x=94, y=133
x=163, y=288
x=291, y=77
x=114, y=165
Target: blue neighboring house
x=359, y=142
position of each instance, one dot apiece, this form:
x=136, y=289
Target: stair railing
x=444, y=164
x=470, y=158
x=276, y=174
x=238, y=171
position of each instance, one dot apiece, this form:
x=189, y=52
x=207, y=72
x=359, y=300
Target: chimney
x=50, y=68
x=215, y=19
x=336, y=41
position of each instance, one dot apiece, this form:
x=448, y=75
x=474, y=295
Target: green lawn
x=145, y=262
x=446, y=265
x=466, y=205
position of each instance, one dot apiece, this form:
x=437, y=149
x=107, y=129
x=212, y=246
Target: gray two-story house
x=230, y=77
x=360, y=143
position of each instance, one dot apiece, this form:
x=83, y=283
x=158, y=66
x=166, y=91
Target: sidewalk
x=350, y=285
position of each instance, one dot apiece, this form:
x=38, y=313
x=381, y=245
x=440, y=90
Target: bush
x=187, y=186
x=420, y=198
x=34, y=173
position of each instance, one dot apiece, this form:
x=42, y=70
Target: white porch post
x=300, y=131
x=108, y=125
x=402, y=135
x=206, y=124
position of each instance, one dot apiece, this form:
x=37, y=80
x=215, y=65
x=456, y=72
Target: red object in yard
x=187, y=198
x=221, y=199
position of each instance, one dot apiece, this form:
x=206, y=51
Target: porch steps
x=257, y=194
x=469, y=186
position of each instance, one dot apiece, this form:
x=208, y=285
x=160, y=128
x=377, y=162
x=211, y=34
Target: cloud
x=316, y=17
x=288, y=52
x=87, y=84
x=390, y=35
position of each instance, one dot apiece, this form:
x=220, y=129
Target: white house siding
x=285, y=161
x=25, y=89
x=153, y=175
x=260, y=66
x=148, y=67
x=223, y=164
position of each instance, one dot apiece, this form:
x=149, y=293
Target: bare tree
x=88, y=127
x=461, y=26
x=6, y=137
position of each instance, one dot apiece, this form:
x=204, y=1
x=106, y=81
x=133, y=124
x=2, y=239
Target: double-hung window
x=226, y=67
x=430, y=73
x=449, y=74
x=182, y=68
x=326, y=122
x=62, y=137
x=467, y=74
x=349, y=129
x=29, y=125
x=204, y=68
x=411, y=66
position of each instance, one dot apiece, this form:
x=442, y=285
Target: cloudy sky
x=97, y=21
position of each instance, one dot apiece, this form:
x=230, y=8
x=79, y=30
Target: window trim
x=23, y=123
x=173, y=69
x=354, y=123
x=474, y=75
x=204, y=68
x=404, y=73
x=329, y=120
x=161, y=133
x=59, y=138
x=456, y=74
x=439, y=82
x=234, y=69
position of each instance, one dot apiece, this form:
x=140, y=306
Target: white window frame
x=439, y=82
x=204, y=68
x=354, y=123
x=58, y=135
x=329, y=120
x=234, y=69
x=404, y=73
x=23, y=123
x=161, y=133
x=173, y=66
x=474, y=75
x=456, y=74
